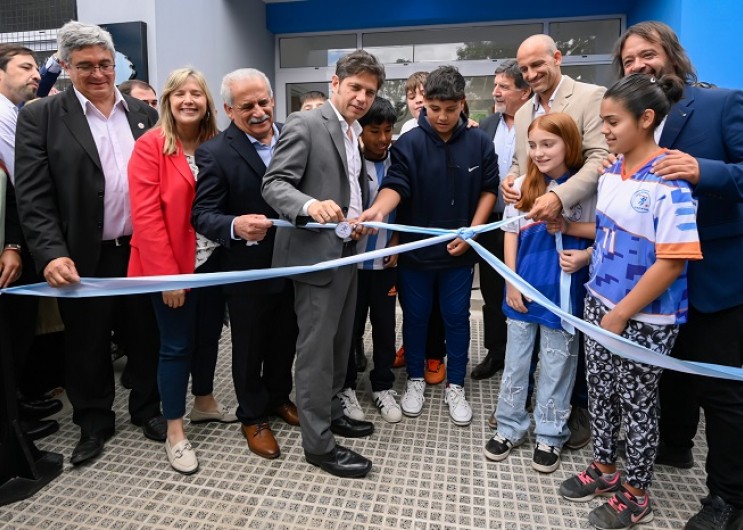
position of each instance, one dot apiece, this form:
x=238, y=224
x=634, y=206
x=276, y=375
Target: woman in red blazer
x=162, y=183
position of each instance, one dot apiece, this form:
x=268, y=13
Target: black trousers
x=264, y=337
x=492, y=287
x=89, y=375
x=712, y=338
x=376, y=297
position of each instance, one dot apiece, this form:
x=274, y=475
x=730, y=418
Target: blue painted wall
x=335, y=15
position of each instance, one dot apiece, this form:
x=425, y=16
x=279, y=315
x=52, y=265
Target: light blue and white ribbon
x=89, y=287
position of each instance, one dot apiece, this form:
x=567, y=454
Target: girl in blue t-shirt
x=645, y=233
x=531, y=250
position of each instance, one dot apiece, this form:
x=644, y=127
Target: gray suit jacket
x=582, y=101
x=309, y=162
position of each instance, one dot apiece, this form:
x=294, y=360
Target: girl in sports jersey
x=531, y=250
x=645, y=233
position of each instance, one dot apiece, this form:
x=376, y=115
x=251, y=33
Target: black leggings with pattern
x=619, y=388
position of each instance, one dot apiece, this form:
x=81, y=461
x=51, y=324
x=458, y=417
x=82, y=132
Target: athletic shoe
x=387, y=405
x=588, y=484
x=434, y=371
x=499, y=447
x=714, y=515
x=351, y=406
x=412, y=399
x=622, y=512
x=546, y=458
x=399, y=361
x=459, y=410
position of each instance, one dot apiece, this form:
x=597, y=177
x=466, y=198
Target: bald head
x=541, y=42
x=539, y=61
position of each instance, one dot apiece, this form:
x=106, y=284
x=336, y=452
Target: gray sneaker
x=588, y=484
x=622, y=512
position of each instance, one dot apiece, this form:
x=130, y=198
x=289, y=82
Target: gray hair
x=75, y=35
x=510, y=67
x=241, y=74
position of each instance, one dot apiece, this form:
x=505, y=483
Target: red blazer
x=161, y=191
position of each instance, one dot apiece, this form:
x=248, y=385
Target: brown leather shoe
x=287, y=412
x=261, y=440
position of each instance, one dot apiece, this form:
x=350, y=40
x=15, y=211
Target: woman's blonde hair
x=208, y=125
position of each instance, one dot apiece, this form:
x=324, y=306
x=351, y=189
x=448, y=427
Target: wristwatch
x=13, y=246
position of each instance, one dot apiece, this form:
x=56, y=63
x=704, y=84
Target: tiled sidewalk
x=428, y=474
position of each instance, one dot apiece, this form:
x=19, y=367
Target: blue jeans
x=416, y=288
x=177, y=343
x=558, y=357
x=210, y=318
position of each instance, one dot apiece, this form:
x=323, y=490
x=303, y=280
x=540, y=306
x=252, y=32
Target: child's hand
x=390, y=262
x=515, y=299
x=574, y=260
x=613, y=322
x=457, y=247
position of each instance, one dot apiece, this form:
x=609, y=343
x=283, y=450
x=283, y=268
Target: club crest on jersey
x=640, y=201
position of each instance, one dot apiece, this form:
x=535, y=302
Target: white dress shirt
x=115, y=142
x=351, y=135
x=504, y=142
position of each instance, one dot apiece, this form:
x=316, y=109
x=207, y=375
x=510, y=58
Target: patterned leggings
x=617, y=387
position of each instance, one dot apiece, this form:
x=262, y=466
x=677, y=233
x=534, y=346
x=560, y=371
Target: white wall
x=213, y=36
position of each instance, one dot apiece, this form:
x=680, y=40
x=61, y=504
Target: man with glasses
x=72, y=152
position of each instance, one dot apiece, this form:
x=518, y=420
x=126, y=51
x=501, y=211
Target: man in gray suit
x=317, y=174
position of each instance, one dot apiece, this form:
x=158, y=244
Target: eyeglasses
x=87, y=69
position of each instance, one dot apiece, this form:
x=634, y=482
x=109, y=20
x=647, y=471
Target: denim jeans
x=416, y=295
x=558, y=357
x=177, y=343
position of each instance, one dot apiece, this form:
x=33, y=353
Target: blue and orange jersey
x=639, y=218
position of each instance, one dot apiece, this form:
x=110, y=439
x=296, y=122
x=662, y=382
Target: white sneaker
x=182, y=457
x=351, y=406
x=412, y=400
x=387, y=405
x=459, y=410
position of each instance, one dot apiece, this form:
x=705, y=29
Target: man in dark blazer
x=230, y=210
x=317, y=174
x=72, y=152
x=704, y=132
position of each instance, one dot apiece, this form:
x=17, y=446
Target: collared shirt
x=539, y=110
x=115, y=142
x=659, y=130
x=353, y=156
x=265, y=151
x=504, y=142
x=8, y=120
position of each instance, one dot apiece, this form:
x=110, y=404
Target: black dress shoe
x=350, y=428
x=156, y=428
x=341, y=462
x=35, y=409
x=89, y=446
x=38, y=429
x=681, y=458
x=488, y=367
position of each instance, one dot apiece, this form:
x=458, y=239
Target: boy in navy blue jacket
x=442, y=175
